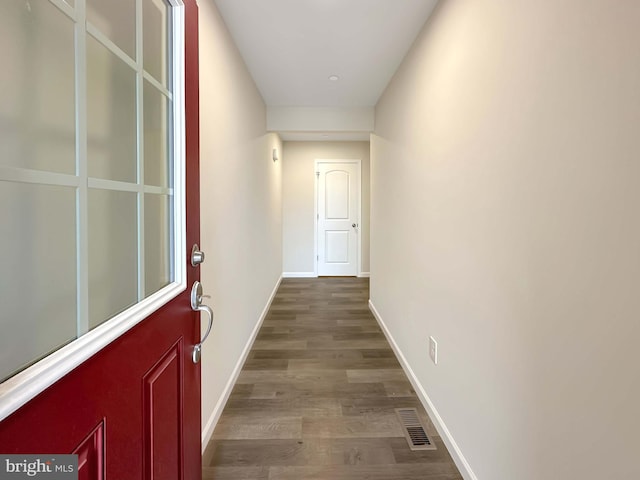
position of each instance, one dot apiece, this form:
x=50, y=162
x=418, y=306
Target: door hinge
x=317, y=257
x=317, y=216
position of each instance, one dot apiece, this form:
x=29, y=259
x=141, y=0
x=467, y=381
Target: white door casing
x=337, y=217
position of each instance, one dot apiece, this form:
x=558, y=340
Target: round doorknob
x=353, y=225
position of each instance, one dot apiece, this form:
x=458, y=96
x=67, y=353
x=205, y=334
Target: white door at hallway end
x=338, y=217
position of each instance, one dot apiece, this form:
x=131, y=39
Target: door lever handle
x=197, y=306
x=197, y=349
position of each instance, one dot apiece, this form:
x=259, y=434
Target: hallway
x=317, y=395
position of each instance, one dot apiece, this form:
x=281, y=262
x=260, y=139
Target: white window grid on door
x=23, y=386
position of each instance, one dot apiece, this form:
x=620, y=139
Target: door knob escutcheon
x=197, y=256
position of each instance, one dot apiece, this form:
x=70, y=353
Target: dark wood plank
x=403, y=454
x=292, y=452
x=370, y=425
x=366, y=472
x=343, y=363
x=258, y=426
x=308, y=354
x=292, y=406
x=266, y=364
x=318, y=389
x=235, y=473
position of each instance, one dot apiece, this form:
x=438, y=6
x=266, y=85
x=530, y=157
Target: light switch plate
x=433, y=350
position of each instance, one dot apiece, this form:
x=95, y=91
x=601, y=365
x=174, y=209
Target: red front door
x=132, y=411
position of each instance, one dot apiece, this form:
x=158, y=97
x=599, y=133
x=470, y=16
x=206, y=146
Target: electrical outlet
x=433, y=350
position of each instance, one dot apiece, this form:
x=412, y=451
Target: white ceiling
x=291, y=47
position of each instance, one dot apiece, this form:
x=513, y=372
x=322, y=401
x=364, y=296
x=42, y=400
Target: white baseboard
x=314, y=275
x=299, y=275
x=452, y=446
x=207, y=432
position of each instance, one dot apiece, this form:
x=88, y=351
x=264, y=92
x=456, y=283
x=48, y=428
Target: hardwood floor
x=317, y=395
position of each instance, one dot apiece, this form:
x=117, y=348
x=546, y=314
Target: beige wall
x=241, y=206
x=505, y=170
x=299, y=203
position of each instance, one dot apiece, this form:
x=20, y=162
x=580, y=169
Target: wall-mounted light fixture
x=274, y=154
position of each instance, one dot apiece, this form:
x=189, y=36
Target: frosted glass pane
x=154, y=27
x=38, y=281
x=156, y=164
x=157, y=242
x=37, y=87
x=117, y=20
x=113, y=254
x=111, y=115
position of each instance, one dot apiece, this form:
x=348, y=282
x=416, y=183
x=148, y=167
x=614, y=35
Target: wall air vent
x=414, y=430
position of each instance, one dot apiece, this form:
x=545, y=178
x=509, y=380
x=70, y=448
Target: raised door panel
x=91, y=455
x=162, y=417
x=337, y=183
x=337, y=247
